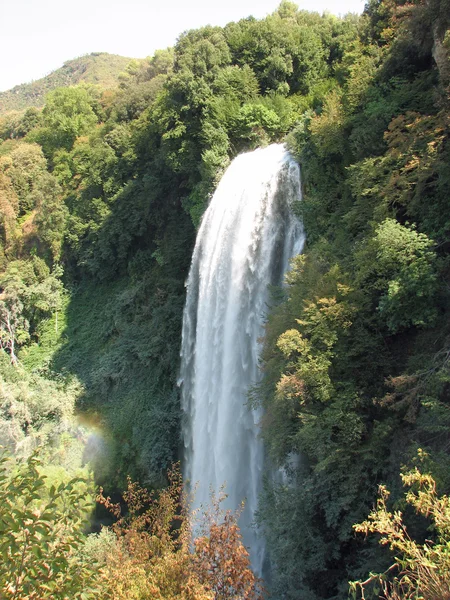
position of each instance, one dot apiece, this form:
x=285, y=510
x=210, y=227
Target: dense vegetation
x=146, y=554
x=100, y=194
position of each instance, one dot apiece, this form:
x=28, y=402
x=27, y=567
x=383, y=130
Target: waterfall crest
x=245, y=241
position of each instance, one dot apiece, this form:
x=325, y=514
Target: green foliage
x=353, y=382
x=202, y=52
x=254, y=122
x=410, y=178
x=401, y=264
x=16, y=125
x=36, y=410
x=31, y=285
x=51, y=215
x=236, y=83
x=285, y=52
x=41, y=531
x=9, y=206
x=121, y=342
x=327, y=129
x=68, y=113
x=25, y=166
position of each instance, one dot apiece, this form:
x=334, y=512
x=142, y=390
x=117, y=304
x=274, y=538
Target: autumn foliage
x=154, y=556
x=419, y=570
x=148, y=554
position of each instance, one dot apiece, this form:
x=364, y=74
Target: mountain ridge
x=98, y=68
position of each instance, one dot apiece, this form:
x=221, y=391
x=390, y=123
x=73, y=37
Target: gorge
x=339, y=355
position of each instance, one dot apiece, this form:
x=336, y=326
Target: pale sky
x=38, y=36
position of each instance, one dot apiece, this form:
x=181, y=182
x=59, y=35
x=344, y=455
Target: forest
x=102, y=191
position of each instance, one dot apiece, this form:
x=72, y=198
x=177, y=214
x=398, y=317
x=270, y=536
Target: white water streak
x=247, y=236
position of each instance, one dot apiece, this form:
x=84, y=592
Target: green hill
x=99, y=68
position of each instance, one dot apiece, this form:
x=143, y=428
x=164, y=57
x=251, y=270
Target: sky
x=38, y=36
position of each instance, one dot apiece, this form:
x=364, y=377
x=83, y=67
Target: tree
x=13, y=326
x=51, y=214
x=25, y=165
x=41, y=532
x=31, y=293
x=68, y=113
x=327, y=128
x=202, y=52
x=400, y=263
x=152, y=557
x=9, y=205
x=420, y=570
x=220, y=559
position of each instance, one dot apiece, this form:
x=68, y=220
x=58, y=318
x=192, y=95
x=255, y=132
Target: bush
x=41, y=533
x=422, y=570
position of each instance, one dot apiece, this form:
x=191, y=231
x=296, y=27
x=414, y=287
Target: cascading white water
x=247, y=236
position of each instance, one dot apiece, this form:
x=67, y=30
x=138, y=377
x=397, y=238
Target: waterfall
x=245, y=241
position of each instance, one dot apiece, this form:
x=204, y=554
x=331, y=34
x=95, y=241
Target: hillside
x=99, y=68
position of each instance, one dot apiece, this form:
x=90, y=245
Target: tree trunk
x=441, y=55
